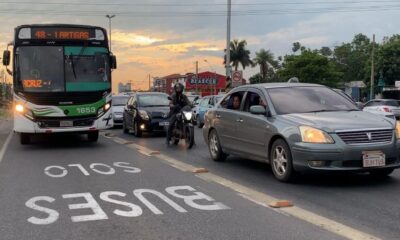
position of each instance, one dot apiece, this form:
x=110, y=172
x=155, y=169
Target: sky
x=162, y=37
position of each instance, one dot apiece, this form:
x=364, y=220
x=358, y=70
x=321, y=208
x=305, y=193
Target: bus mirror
x=113, y=62
x=6, y=57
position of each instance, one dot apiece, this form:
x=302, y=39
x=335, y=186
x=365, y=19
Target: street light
x=215, y=75
x=109, y=26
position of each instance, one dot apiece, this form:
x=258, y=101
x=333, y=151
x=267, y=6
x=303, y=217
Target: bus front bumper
x=23, y=124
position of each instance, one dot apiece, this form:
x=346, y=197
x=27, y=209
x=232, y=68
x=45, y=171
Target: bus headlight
x=19, y=108
x=107, y=106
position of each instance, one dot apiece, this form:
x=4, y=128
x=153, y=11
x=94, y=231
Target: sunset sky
x=161, y=37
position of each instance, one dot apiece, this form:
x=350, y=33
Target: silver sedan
x=301, y=127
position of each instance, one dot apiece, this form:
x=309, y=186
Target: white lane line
x=4, y=148
x=263, y=199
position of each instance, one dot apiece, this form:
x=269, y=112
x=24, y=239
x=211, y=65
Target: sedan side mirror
x=258, y=110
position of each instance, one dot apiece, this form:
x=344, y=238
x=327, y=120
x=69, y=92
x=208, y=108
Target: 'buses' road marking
x=259, y=197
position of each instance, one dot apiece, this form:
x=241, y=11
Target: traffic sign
x=237, y=77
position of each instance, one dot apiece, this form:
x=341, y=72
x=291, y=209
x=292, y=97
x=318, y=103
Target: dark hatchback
x=146, y=112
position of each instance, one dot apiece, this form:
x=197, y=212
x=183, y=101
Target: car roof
x=280, y=85
x=148, y=93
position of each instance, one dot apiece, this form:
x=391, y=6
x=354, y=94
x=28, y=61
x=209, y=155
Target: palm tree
x=265, y=59
x=239, y=54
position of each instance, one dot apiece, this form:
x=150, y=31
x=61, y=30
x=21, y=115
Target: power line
x=196, y=4
x=254, y=12
x=214, y=13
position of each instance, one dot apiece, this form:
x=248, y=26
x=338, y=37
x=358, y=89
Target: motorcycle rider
x=177, y=102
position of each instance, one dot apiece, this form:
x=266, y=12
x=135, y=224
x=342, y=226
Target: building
x=207, y=83
x=122, y=88
x=204, y=83
x=165, y=84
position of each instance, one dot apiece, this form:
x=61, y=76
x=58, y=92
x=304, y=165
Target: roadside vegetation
x=346, y=62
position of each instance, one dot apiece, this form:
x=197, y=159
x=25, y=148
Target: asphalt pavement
x=63, y=187
x=368, y=204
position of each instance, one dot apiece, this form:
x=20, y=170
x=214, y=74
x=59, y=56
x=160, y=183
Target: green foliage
x=266, y=60
x=353, y=58
x=388, y=59
x=239, y=54
x=311, y=67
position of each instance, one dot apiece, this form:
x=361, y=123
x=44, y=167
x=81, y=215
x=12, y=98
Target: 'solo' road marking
x=257, y=197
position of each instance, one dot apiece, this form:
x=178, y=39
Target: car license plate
x=66, y=123
x=374, y=159
x=163, y=123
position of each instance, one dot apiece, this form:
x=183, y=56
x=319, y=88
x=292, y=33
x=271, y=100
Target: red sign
x=206, y=80
x=237, y=77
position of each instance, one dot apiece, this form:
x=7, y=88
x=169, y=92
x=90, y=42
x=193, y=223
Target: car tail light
x=386, y=109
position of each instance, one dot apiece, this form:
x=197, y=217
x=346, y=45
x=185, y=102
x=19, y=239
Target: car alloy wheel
x=281, y=161
x=215, y=148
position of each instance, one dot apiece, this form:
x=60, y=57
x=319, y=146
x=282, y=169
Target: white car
x=386, y=107
x=117, y=109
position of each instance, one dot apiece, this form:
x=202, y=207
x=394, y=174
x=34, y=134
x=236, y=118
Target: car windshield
x=392, y=103
x=308, y=99
x=119, y=101
x=153, y=100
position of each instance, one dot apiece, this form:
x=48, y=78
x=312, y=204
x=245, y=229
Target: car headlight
x=188, y=115
x=143, y=114
x=313, y=135
x=398, y=129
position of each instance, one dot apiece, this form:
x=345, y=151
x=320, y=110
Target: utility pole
x=197, y=75
x=228, y=40
x=149, y=83
x=372, y=68
x=213, y=87
x=109, y=26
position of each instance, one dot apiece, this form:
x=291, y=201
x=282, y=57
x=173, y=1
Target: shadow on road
x=323, y=179
x=62, y=141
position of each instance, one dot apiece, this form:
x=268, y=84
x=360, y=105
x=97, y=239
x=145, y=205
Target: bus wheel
x=93, y=136
x=24, y=138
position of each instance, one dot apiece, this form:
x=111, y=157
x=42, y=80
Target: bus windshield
x=62, y=69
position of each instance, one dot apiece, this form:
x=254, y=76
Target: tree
x=311, y=67
x=258, y=78
x=239, y=54
x=354, y=58
x=265, y=59
x=388, y=60
x=326, y=51
x=296, y=47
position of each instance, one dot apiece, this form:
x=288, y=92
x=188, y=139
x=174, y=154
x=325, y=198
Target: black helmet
x=178, y=86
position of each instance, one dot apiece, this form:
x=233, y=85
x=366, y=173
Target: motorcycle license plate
x=163, y=123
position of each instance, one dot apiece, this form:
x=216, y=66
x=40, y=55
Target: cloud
x=134, y=39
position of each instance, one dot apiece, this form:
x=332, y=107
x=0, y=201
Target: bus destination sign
x=62, y=33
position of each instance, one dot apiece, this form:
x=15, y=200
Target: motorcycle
x=183, y=127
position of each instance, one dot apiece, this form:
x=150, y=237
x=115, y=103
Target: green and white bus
x=62, y=79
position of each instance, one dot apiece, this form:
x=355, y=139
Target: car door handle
x=218, y=116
